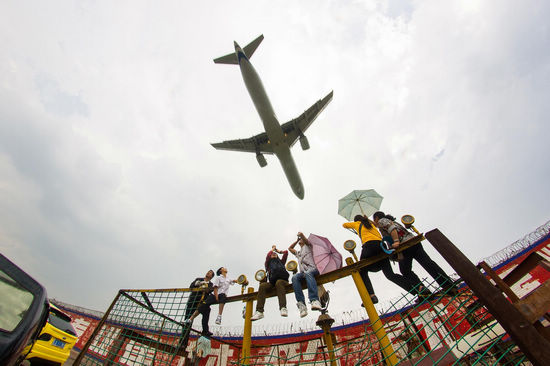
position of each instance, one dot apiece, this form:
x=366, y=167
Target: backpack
x=277, y=271
x=401, y=231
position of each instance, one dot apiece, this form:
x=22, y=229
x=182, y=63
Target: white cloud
x=107, y=111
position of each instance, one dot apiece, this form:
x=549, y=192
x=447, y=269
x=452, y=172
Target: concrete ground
x=69, y=361
x=71, y=358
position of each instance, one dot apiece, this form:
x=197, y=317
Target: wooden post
x=500, y=283
x=523, y=333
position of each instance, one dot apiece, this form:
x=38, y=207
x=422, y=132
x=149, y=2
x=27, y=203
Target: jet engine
x=261, y=160
x=304, y=142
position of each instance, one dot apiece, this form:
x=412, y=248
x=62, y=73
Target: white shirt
x=305, y=259
x=222, y=283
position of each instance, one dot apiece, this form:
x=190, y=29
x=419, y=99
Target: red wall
x=296, y=348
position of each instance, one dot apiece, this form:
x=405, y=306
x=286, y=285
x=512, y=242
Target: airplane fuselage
x=269, y=119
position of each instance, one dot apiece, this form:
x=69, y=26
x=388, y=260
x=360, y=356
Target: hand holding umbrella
x=325, y=255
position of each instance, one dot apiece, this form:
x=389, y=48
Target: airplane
x=277, y=139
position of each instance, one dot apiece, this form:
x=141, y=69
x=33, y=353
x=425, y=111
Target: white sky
x=107, y=109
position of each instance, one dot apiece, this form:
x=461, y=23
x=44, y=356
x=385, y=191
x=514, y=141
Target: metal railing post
x=247, y=334
x=325, y=322
x=376, y=323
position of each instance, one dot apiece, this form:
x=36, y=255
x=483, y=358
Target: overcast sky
x=108, y=109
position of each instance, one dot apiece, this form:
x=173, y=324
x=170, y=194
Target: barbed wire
x=78, y=309
x=518, y=246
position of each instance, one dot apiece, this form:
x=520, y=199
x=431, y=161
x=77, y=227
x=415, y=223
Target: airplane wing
x=255, y=144
x=248, y=51
x=293, y=129
x=227, y=59
x=251, y=47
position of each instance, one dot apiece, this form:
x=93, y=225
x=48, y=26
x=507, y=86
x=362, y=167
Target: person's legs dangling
x=399, y=280
x=405, y=267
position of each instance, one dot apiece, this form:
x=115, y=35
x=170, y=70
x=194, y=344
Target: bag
x=277, y=271
x=386, y=245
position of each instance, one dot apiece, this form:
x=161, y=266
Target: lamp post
x=243, y=281
x=247, y=334
x=376, y=323
x=325, y=322
x=350, y=245
x=408, y=221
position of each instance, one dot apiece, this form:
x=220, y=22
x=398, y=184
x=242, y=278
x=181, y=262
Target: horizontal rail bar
x=321, y=279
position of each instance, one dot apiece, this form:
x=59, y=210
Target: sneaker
x=219, y=320
x=422, y=290
x=257, y=316
x=374, y=300
x=316, y=305
x=303, y=309
x=206, y=333
x=423, y=297
x=449, y=291
x=284, y=312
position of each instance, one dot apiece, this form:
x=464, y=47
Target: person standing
x=389, y=227
x=195, y=297
x=308, y=271
x=277, y=277
x=371, y=240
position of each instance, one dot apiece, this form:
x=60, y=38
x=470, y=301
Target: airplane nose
x=236, y=44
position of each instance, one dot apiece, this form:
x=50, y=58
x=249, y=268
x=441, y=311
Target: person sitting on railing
x=277, y=277
x=371, y=240
x=389, y=227
x=222, y=283
x=308, y=271
x=221, y=287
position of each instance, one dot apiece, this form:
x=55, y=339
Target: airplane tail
x=248, y=51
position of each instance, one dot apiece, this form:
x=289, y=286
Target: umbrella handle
x=352, y=230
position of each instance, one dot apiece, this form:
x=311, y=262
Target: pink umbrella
x=325, y=255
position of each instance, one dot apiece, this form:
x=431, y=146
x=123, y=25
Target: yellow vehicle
x=53, y=346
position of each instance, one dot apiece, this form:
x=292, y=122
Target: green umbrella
x=359, y=202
